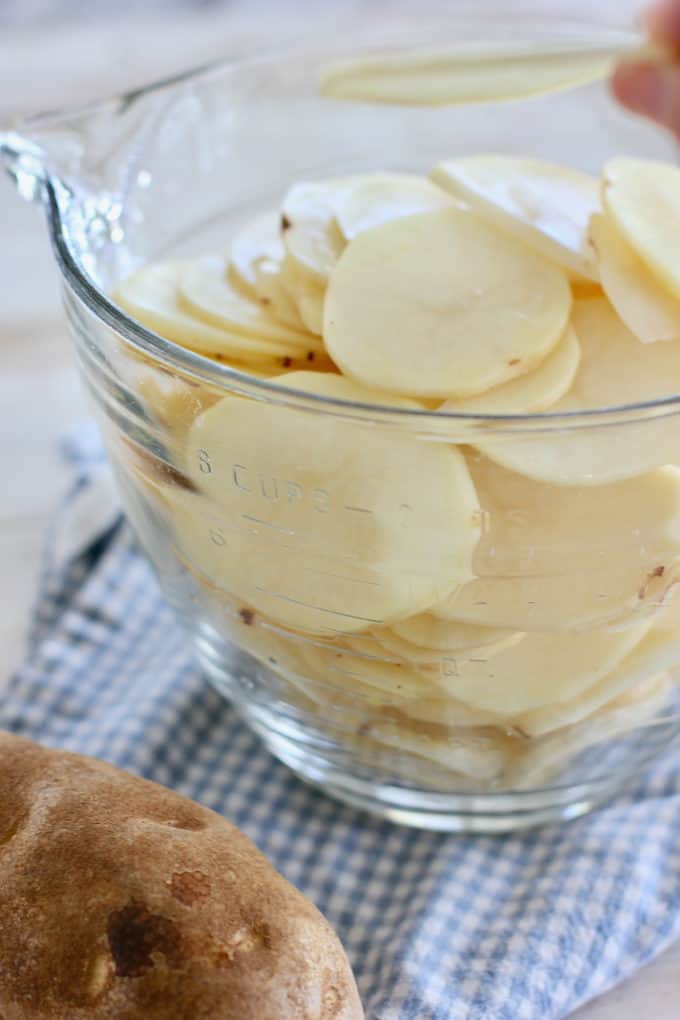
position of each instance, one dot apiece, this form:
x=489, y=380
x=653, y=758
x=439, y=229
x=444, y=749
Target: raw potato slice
x=308, y=296
x=152, y=296
x=643, y=199
x=310, y=233
x=320, y=528
x=258, y=239
x=421, y=655
x=453, y=76
x=359, y=674
x=429, y=658
x=535, y=391
x=547, y=207
x=448, y=712
x=428, y=631
x=441, y=305
x=272, y=293
x=552, y=558
x=206, y=292
x=615, y=370
x=649, y=310
x=545, y=759
x=384, y=197
x=541, y=669
x=657, y=653
x=479, y=757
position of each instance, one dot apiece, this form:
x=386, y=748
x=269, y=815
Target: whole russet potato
x=121, y=899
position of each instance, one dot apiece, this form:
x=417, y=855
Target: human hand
x=653, y=89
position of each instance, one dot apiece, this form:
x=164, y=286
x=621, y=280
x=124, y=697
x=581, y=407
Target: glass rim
x=221, y=375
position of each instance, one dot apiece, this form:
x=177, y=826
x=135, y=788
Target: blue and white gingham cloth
x=522, y=927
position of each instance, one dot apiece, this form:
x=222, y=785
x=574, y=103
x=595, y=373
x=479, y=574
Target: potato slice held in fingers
x=649, y=310
x=380, y=198
x=323, y=526
x=440, y=304
x=553, y=558
x=643, y=199
x=615, y=370
x=527, y=394
x=152, y=296
x=546, y=206
x=461, y=75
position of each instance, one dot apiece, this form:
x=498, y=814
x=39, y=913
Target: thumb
x=652, y=90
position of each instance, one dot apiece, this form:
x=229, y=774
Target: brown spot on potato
x=8, y=834
x=514, y=361
x=189, y=887
x=136, y=935
x=285, y=223
x=247, y=616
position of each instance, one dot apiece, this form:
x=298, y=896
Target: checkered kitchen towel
x=522, y=927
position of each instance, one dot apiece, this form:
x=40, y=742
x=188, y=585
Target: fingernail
x=663, y=21
x=643, y=88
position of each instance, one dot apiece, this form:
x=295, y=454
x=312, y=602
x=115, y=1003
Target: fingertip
x=663, y=22
x=640, y=87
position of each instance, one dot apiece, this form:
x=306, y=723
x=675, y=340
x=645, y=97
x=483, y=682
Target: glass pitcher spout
x=25, y=162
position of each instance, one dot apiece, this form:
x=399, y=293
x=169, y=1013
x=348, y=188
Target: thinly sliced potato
x=649, y=310
x=615, y=370
x=272, y=293
x=554, y=558
x=421, y=655
x=206, y=292
x=430, y=632
x=461, y=75
x=258, y=239
x=543, y=760
x=527, y=394
x=152, y=296
x=328, y=535
x=643, y=199
x=656, y=654
x=541, y=669
x=308, y=296
x=384, y=197
x=440, y=304
x=482, y=757
x=547, y=207
x=363, y=674
x=311, y=236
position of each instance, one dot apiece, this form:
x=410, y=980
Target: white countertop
x=39, y=392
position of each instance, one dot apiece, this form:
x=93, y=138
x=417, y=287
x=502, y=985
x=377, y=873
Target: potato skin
x=121, y=899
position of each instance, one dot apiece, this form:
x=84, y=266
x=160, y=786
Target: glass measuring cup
x=299, y=587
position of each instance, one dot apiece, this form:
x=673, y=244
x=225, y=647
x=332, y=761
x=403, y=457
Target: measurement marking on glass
x=274, y=527
x=343, y=577
x=482, y=661
x=320, y=609
x=357, y=509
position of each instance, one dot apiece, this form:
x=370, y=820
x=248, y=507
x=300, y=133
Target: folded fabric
x=438, y=927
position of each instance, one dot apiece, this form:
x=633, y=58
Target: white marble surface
x=39, y=392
